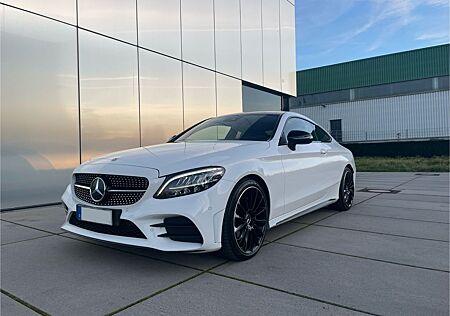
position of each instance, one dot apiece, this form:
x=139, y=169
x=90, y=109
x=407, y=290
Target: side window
x=321, y=135
x=298, y=124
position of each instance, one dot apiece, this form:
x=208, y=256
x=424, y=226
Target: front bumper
x=205, y=209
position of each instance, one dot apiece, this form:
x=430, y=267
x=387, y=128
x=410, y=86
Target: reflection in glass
x=159, y=26
x=198, y=32
x=109, y=95
x=288, y=63
x=228, y=37
x=258, y=100
x=252, y=64
x=63, y=10
x=271, y=43
x=161, y=97
x=229, y=95
x=39, y=108
x=115, y=18
x=199, y=94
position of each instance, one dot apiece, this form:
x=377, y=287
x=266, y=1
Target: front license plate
x=94, y=215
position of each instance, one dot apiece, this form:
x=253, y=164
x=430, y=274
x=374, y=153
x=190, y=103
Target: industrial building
x=397, y=97
x=82, y=78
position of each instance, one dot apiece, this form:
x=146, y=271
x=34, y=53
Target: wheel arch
x=261, y=182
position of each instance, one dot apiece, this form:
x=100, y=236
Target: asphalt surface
x=388, y=255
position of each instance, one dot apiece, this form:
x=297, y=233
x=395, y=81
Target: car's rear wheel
x=346, y=191
x=245, y=221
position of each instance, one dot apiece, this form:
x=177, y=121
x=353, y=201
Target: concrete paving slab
x=14, y=233
x=413, y=197
x=315, y=216
x=432, y=206
x=418, y=184
x=408, y=251
x=202, y=261
x=387, y=182
x=283, y=230
x=391, y=178
x=427, y=181
x=216, y=295
x=437, y=190
x=425, y=192
x=416, y=229
x=48, y=218
x=367, y=285
x=363, y=196
x=67, y=277
x=10, y=307
x=400, y=213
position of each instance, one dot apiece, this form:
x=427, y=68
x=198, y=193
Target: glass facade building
x=82, y=78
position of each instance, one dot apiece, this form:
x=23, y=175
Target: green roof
x=404, y=66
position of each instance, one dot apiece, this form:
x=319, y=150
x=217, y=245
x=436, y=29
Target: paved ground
x=388, y=255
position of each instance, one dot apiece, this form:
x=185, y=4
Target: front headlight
x=189, y=182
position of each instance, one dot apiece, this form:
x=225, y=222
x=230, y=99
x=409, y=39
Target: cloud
x=444, y=3
x=433, y=36
x=395, y=14
x=332, y=31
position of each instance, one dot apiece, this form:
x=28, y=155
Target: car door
x=303, y=175
x=333, y=162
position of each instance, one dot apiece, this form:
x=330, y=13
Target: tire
x=346, y=191
x=245, y=221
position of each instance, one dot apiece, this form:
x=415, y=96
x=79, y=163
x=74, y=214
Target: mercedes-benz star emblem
x=97, y=189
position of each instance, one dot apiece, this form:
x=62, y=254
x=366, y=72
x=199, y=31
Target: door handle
x=323, y=151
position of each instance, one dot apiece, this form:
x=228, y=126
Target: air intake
x=180, y=228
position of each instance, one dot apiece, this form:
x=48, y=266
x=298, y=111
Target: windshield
x=254, y=127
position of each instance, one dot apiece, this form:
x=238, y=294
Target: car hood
x=174, y=157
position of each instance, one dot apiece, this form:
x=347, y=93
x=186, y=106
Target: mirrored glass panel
x=252, y=63
x=115, y=18
x=258, y=100
x=63, y=10
x=228, y=37
x=161, y=97
x=109, y=95
x=271, y=44
x=288, y=63
x=159, y=26
x=229, y=95
x=199, y=94
x=39, y=108
x=197, y=22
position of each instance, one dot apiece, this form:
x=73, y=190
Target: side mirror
x=171, y=139
x=298, y=138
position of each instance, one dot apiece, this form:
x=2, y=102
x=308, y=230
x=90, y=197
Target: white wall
x=410, y=116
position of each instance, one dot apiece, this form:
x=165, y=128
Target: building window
x=336, y=129
x=372, y=92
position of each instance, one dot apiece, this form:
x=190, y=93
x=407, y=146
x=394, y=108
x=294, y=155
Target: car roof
x=288, y=113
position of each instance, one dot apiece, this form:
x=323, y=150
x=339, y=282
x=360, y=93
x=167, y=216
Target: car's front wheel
x=245, y=221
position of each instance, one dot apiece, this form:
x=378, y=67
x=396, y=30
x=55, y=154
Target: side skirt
x=287, y=217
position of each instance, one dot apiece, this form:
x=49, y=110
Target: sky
x=334, y=31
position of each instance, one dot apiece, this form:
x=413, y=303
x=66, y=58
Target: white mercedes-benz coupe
x=219, y=185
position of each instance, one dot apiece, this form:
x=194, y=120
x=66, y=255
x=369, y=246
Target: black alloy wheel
x=245, y=221
x=346, y=191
